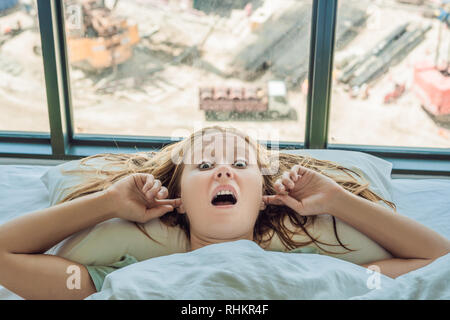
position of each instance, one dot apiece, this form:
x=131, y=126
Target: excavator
x=101, y=39
x=431, y=81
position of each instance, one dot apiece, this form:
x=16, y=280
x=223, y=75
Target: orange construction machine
x=100, y=39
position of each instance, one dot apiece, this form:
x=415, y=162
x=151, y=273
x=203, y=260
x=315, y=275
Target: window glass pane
x=391, y=84
x=155, y=67
x=23, y=104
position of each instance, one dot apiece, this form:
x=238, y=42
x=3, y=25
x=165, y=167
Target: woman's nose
x=224, y=172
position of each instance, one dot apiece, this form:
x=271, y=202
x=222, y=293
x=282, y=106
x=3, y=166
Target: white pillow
x=58, y=183
x=376, y=170
x=108, y=241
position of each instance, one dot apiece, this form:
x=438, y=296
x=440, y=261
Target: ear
x=181, y=209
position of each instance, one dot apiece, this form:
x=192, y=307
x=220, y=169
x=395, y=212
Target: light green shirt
x=99, y=273
x=305, y=250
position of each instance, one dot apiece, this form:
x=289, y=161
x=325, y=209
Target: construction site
x=163, y=67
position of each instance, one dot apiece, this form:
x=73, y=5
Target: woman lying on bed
x=215, y=196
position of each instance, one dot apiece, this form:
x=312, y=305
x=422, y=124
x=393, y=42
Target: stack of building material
x=283, y=44
x=388, y=52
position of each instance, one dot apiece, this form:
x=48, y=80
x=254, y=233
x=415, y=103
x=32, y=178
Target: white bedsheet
x=425, y=200
x=242, y=270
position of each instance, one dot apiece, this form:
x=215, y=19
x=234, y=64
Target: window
x=138, y=72
x=385, y=75
x=23, y=104
x=164, y=68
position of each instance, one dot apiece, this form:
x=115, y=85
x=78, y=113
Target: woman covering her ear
x=218, y=185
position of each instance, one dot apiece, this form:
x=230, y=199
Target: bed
x=306, y=276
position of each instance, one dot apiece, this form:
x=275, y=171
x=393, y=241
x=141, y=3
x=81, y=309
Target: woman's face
x=221, y=161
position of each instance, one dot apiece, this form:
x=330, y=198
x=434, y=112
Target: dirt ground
x=166, y=103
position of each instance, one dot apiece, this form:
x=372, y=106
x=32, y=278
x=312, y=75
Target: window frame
x=62, y=144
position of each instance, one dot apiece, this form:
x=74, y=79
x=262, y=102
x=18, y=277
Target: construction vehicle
x=240, y=103
x=432, y=87
x=431, y=82
x=396, y=92
x=10, y=32
x=101, y=40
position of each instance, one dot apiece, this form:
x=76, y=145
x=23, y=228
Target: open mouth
x=224, y=198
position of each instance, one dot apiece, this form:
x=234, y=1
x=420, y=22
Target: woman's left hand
x=306, y=191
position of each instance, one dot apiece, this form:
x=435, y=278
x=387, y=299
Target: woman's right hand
x=140, y=197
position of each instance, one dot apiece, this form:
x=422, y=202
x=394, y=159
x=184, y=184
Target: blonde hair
x=270, y=221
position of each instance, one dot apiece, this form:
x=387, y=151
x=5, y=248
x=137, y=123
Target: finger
x=286, y=180
x=291, y=203
x=149, y=183
x=151, y=194
x=285, y=200
x=158, y=211
x=300, y=170
x=163, y=193
x=279, y=187
x=293, y=174
x=139, y=178
x=273, y=200
x=173, y=202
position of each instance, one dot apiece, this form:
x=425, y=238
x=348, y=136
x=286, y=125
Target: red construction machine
x=432, y=80
x=432, y=86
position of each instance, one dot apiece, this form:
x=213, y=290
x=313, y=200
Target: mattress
x=424, y=200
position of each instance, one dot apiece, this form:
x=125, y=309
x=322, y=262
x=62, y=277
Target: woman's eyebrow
x=208, y=148
x=244, y=153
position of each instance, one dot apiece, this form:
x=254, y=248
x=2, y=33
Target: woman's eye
x=204, y=165
x=241, y=163
x=207, y=165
